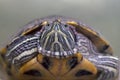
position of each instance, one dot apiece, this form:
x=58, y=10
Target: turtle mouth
x=57, y=40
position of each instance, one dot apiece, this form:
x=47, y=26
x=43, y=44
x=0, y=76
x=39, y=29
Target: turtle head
x=57, y=40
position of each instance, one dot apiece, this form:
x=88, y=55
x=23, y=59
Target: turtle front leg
x=108, y=67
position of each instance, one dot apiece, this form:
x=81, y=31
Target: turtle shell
x=54, y=48
x=100, y=43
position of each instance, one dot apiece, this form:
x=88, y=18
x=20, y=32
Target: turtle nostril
x=33, y=73
x=82, y=73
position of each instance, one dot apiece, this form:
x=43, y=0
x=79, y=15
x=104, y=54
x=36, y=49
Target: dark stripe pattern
x=107, y=65
x=22, y=49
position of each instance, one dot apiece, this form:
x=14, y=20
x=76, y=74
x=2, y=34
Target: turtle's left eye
x=66, y=25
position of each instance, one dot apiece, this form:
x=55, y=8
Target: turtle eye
x=82, y=73
x=48, y=24
x=33, y=73
x=66, y=25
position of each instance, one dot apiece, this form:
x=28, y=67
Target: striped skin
x=108, y=67
x=22, y=49
x=59, y=39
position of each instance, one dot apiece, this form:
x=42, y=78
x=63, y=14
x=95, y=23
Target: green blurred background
x=102, y=15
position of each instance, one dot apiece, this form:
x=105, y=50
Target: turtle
x=58, y=48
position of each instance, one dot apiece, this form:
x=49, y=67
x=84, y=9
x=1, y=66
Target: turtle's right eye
x=48, y=24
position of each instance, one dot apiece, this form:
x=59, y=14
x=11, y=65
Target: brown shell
x=102, y=45
x=58, y=69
